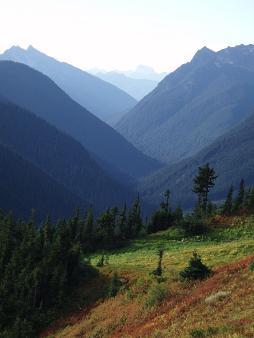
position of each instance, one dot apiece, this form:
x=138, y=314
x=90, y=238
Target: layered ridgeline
x=24, y=186
x=144, y=72
x=232, y=156
x=101, y=98
x=193, y=105
x=37, y=93
x=138, y=88
x=59, y=156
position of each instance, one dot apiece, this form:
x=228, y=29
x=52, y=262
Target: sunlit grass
x=139, y=309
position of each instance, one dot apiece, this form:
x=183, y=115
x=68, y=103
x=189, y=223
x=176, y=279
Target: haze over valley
x=126, y=169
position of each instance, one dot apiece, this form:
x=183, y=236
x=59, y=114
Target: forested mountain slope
x=232, y=156
x=194, y=105
x=60, y=156
x=35, y=92
x=24, y=187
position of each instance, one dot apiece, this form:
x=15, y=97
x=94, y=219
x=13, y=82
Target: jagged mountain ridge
x=101, y=98
x=194, y=105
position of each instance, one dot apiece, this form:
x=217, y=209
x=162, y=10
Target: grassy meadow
x=150, y=306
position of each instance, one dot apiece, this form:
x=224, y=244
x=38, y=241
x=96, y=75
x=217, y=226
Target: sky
x=121, y=34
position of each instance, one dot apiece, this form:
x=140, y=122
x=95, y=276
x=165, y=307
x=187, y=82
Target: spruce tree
x=247, y=196
x=228, y=205
x=239, y=201
x=162, y=218
x=158, y=270
x=251, y=205
x=87, y=231
x=122, y=223
x=134, y=220
x=196, y=269
x=202, y=183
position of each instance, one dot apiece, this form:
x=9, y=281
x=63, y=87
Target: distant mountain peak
x=203, y=54
x=13, y=49
x=30, y=48
x=101, y=98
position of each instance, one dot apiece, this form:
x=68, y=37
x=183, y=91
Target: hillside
x=101, y=98
x=23, y=187
x=193, y=105
x=219, y=306
x=60, y=156
x=35, y=92
x=232, y=156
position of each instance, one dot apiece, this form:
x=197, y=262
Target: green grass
x=145, y=294
x=216, y=248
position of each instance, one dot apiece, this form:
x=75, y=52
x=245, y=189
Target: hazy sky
x=120, y=34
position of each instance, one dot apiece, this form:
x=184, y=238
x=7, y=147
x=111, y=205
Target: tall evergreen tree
x=87, y=231
x=202, y=183
x=162, y=218
x=228, y=205
x=122, y=223
x=247, y=196
x=239, y=201
x=165, y=202
x=251, y=201
x=134, y=220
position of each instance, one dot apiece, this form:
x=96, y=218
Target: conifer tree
x=158, y=270
x=134, y=221
x=162, y=218
x=228, y=205
x=202, y=183
x=251, y=201
x=247, y=196
x=239, y=201
x=87, y=231
x=122, y=223
x=196, y=269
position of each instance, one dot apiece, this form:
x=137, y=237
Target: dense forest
x=40, y=265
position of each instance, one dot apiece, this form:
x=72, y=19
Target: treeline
x=40, y=266
x=193, y=222
x=242, y=202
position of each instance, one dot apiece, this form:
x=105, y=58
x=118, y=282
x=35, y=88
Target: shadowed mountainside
x=101, y=98
x=194, y=105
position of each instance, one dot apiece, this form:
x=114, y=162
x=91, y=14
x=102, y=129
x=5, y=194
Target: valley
x=126, y=169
